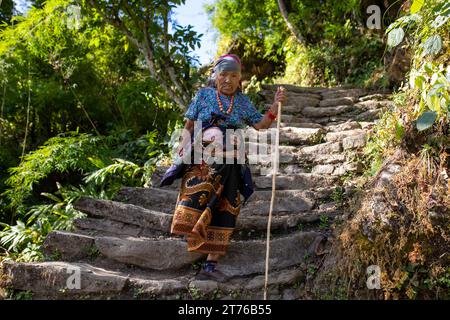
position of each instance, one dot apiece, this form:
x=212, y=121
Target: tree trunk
x=162, y=71
x=291, y=27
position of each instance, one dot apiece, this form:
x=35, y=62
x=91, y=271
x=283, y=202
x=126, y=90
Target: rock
x=339, y=136
x=301, y=180
x=344, y=92
x=337, y=101
x=290, y=294
x=322, y=148
x=289, y=135
x=329, y=158
x=386, y=174
x=326, y=111
x=161, y=254
x=376, y=96
x=159, y=287
x=281, y=205
x=151, y=198
x=372, y=105
x=293, y=169
x=355, y=141
x=126, y=213
x=293, y=135
x=61, y=244
x=205, y=286
x=110, y=227
x=276, y=278
x=348, y=125
x=248, y=257
x=355, y=167
x=323, y=169
x=369, y=115
x=328, y=206
x=366, y=125
x=291, y=110
x=59, y=280
x=261, y=153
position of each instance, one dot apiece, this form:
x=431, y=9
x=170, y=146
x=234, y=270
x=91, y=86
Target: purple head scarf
x=226, y=62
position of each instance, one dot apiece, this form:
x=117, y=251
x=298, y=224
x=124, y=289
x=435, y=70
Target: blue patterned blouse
x=205, y=103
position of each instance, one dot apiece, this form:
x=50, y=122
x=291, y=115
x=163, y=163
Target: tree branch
x=291, y=27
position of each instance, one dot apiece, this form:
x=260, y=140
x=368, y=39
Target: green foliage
x=427, y=24
x=64, y=154
x=251, y=90
x=20, y=295
x=165, y=50
x=24, y=239
x=74, y=154
x=387, y=134
x=338, y=195
x=58, y=76
x=324, y=222
x=62, y=74
x=336, y=49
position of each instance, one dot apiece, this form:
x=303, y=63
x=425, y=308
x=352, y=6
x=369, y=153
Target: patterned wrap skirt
x=208, y=205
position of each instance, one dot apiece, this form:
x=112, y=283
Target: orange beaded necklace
x=230, y=108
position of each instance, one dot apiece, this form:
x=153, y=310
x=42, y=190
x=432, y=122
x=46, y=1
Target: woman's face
x=228, y=81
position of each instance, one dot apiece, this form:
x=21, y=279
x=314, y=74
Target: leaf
x=428, y=68
x=419, y=81
x=440, y=20
x=395, y=37
x=426, y=120
x=416, y=6
x=97, y=162
x=399, y=131
x=432, y=45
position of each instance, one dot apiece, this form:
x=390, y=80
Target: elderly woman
x=209, y=199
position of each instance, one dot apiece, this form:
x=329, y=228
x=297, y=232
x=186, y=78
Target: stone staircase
x=123, y=248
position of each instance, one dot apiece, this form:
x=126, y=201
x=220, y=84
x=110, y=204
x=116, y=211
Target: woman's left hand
x=280, y=96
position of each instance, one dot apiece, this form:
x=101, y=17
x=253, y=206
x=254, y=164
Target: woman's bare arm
x=266, y=121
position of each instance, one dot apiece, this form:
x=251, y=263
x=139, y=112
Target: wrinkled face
x=228, y=81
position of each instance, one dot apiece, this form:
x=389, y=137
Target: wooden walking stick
x=274, y=172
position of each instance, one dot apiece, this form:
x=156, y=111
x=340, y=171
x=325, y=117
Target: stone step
x=282, y=220
x=158, y=253
x=288, y=135
x=341, y=135
x=376, y=97
x=298, y=181
x=348, y=125
x=326, y=148
x=335, y=93
x=243, y=257
x=374, y=104
x=287, y=118
x=115, y=219
x=299, y=124
x=127, y=213
x=151, y=197
x=337, y=102
x=139, y=215
x=49, y=280
x=337, y=169
x=321, y=112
